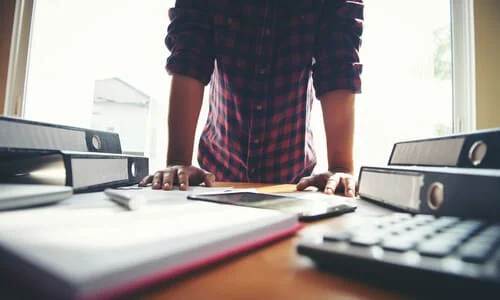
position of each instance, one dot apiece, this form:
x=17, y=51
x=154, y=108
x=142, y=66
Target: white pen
x=123, y=198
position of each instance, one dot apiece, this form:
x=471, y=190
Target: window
x=100, y=64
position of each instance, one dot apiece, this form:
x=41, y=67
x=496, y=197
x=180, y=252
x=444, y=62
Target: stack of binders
x=85, y=159
x=454, y=175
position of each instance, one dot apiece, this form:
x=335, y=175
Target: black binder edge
x=469, y=155
x=96, y=140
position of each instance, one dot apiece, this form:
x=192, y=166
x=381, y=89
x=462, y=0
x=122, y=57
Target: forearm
x=186, y=97
x=338, y=116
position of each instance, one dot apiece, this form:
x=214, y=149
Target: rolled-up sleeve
x=189, y=39
x=337, y=64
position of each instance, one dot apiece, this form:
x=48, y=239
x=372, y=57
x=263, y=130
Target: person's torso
x=260, y=93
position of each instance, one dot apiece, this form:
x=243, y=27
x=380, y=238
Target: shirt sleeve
x=337, y=65
x=189, y=39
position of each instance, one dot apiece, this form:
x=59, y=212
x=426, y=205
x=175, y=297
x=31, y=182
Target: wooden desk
x=275, y=271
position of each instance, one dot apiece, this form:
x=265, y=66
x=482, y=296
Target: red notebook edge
x=189, y=267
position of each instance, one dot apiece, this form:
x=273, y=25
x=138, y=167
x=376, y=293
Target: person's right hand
x=178, y=175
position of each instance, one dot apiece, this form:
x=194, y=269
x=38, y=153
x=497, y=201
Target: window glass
x=100, y=64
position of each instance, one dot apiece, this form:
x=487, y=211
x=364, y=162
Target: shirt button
x=302, y=17
x=252, y=171
x=259, y=107
x=229, y=20
x=256, y=141
x=268, y=31
x=262, y=71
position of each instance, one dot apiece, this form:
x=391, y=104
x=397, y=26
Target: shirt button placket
x=256, y=140
x=263, y=70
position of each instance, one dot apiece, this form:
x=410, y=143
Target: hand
x=182, y=175
x=330, y=183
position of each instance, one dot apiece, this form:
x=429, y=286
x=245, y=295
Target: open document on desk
x=88, y=247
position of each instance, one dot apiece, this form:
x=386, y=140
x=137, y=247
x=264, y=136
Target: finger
x=146, y=180
x=304, y=183
x=157, y=180
x=209, y=179
x=183, y=178
x=349, y=186
x=331, y=184
x=168, y=179
x=197, y=176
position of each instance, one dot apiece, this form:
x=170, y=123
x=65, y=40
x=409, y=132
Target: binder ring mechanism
x=477, y=152
x=435, y=195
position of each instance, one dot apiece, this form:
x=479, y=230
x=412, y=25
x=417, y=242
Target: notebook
x=14, y=196
x=88, y=247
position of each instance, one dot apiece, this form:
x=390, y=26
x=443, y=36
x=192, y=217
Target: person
x=265, y=61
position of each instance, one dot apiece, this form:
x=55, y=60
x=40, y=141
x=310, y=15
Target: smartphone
x=306, y=209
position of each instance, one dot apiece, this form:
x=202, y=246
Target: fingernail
x=182, y=185
x=166, y=185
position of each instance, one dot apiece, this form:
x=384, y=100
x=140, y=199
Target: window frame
x=463, y=65
x=18, y=58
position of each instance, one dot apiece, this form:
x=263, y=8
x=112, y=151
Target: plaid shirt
x=260, y=57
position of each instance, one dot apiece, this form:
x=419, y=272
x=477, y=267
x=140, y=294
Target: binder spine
x=84, y=171
x=20, y=133
x=480, y=149
x=461, y=192
x=98, y=172
x=457, y=195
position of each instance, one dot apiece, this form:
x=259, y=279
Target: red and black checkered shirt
x=260, y=57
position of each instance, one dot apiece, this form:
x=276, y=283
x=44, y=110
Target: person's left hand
x=330, y=183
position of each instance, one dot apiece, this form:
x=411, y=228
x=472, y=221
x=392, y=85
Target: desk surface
x=275, y=271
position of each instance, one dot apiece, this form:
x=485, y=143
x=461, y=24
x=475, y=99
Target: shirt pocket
x=227, y=29
x=234, y=40
x=297, y=38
